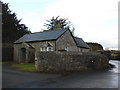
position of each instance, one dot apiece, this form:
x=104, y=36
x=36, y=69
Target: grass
x=24, y=67
x=114, y=54
x=5, y=62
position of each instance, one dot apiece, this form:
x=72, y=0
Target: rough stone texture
x=63, y=43
x=28, y=54
x=69, y=61
x=30, y=51
x=66, y=41
x=94, y=46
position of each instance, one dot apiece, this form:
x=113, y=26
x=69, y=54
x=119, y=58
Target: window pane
x=40, y=49
x=50, y=48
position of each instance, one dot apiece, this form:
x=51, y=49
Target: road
x=102, y=79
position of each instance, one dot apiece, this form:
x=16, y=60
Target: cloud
x=94, y=20
x=83, y=13
x=26, y=1
x=91, y=19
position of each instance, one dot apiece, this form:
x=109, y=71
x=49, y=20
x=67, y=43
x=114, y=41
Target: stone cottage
x=26, y=47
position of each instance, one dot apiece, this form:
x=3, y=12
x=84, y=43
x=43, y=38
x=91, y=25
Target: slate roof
x=49, y=35
x=41, y=36
x=81, y=43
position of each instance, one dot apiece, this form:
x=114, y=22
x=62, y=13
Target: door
x=23, y=54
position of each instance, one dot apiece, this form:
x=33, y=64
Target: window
x=47, y=47
x=41, y=49
x=66, y=48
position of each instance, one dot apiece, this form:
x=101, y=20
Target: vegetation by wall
x=111, y=54
x=94, y=46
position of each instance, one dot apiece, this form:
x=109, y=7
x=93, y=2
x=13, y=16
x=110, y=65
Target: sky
x=93, y=20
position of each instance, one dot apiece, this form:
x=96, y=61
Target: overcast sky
x=94, y=20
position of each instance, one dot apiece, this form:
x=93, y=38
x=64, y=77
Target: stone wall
x=31, y=49
x=66, y=42
x=69, y=61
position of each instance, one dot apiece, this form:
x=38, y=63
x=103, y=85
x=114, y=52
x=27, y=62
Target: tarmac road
x=19, y=79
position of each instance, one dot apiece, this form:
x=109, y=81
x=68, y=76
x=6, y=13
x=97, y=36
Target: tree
x=11, y=27
x=11, y=31
x=57, y=23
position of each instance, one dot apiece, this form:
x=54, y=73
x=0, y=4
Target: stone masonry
x=69, y=61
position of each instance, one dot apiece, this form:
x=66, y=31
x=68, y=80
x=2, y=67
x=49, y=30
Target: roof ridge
x=40, y=36
x=78, y=38
x=44, y=31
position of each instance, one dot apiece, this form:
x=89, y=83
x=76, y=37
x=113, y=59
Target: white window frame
x=49, y=48
x=66, y=48
x=43, y=49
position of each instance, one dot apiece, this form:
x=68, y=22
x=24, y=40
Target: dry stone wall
x=69, y=61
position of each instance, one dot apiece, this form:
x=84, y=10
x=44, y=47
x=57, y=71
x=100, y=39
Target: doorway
x=23, y=54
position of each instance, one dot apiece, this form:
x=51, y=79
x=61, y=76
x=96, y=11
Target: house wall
x=17, y=52
x=38, y=45
x=30, y=52
x=66, y=42
x=83, y=49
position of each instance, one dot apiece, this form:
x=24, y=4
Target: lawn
x=24, y=67
x=1, y=63
x=30, y=67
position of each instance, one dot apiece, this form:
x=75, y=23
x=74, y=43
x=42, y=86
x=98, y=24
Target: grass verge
x=2, y=63
x=24, y=67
